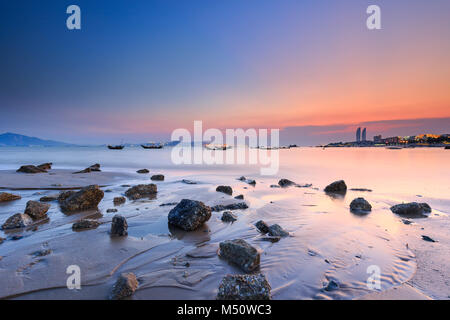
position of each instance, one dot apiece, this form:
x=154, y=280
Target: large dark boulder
x=4, y=197
x=30, y=169
x=244, y=287
x=189, y=214
x=336, y=187
x=124, y=287
x=360, y=205
x=241, y=253
x=412, y=209
x=141, y=191
x=19, y=220
x=86, y=199
x=225, y=189
x=36, y=210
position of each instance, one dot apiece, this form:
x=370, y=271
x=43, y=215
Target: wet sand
x=327, y=242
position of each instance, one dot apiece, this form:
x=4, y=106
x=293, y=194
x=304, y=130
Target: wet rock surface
x=189, y=214
x=64, y=195
x=141, y=191
x=285, y=183
x=93, y=168
x=277, y=231
x=233, y=206
x=336, y=187
x=240, y=253
x=36, y=210
x=19, y=220
x=412, y=209
x=86, y=199
x=124, y=287
x=360, y=205
x=119, y=200
x=228, y=216
x=119, y=226
x=239, y=197
x=5, y=197
x=85, y=224
x=31, y=169
x=157, y=177
x=49, y=198
x=244, y=287
x=262, y=226
x=225, y=189
x=143, y=171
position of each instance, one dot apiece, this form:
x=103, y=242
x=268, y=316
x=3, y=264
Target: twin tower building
x=360, y=138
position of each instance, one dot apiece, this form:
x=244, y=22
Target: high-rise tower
x=358, y=135
x=364, y=132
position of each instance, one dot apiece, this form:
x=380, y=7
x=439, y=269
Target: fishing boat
x=152, y=145
x=212, y=146
x=119, y=147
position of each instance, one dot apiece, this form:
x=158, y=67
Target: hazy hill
x=18, y=140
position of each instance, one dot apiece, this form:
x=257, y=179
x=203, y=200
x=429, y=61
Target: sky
x=137, y=70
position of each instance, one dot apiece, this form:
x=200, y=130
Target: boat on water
x=119, y=147
x=394, y=148
x=152, y=146
x=211, y=146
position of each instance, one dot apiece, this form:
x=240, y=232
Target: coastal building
x=364, y=132
x=358, y=135
x=378, y=139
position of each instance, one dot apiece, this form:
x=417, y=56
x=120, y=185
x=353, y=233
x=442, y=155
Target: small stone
x=228, y=216
x=233, y=206
x=427, y=238
x=18, y=220
x=188, y=181
x=49, y=198
x=276, y=231
x=262, y=226
x=124, y=287
x=239, y=197
x=119, y=226
x=225, y=189
x=4, y=197
x=285, y=183
x=36, y=210
x=119, y=200
x=157, y=177
x=412, y=209
x=336, y=187
x=244, y=287
x=85, y=224
x=143, y=171
x=332, y=285
x=274, y=186
x=241, y=253
x=111, y=210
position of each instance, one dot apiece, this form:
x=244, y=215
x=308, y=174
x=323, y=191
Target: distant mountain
x=18, y=140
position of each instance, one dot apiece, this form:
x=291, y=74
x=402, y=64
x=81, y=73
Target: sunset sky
x=139, y=69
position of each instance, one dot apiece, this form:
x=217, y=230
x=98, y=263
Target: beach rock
x=1, y=241
x=262, y=226
x=168, y=204
x=30, y=169
x=241, y=253
x=244, y=287
x=119, y=226
x=225, y=189
x=228, y=216
x=360, y=205
x=336, y=187
x=64, y=195
x=332, y=285
x=189, y=214
x=124, y=287
x=242, y=178
x=233, y=206
x=285, y=183
x=141, y=191
x=4, y=197
x=85, y=199
x=18, y=220
x=111, y=210
x=274, y=186
x=119, y=200
x=239, y=197
x=142, y=171
x=427, y=238
x=45, y=166
x=361, y=189
x=49, y=198
x=412, y=209
x=36, y=210
x=93, y=168
x=276, y=231
x=188, y=181
x=251, y=182
x=157, y=177
x=85, y=224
